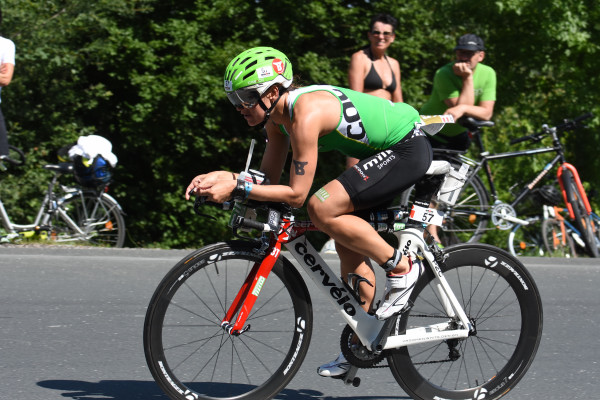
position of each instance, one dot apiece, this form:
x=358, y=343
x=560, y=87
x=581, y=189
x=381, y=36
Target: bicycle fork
x=246, y=297
x=248, y=293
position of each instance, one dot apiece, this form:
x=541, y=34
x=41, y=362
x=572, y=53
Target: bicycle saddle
x=62, y=168
x=474, y=124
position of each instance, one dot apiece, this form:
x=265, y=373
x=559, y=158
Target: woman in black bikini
x=371, y=70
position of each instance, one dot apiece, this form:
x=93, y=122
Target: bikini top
x=373, y=80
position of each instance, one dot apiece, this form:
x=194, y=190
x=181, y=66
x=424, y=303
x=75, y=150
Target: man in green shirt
x=463, y=87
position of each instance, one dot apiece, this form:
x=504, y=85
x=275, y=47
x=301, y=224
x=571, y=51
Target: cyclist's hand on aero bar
x=216, y=186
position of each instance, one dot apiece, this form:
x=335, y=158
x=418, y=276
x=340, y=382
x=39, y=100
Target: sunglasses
x=386, y=34
x=244, y=98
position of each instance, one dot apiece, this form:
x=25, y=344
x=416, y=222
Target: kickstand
x=350, y=377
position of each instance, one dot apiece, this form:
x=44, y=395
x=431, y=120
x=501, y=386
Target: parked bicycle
x=549, y=234
x=476, y=206
x=72, y=214
x=233, y=320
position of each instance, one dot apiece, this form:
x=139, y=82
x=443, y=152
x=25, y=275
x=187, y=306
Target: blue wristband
x=247, y=189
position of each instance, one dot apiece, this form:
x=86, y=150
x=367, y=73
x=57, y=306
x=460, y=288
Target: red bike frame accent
x=580, y=188
x=246, y=297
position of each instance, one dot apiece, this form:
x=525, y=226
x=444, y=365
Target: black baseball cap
x=469, y=42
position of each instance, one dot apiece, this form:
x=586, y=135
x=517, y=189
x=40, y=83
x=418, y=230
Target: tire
x=557, y=239
x=466, y=221
x=191, y=357
x=596, y=224
x=501, y=300
x=98, y=216
x=527, y=240
x=582, y=221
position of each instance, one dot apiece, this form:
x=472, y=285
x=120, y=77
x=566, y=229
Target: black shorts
x=377, y=179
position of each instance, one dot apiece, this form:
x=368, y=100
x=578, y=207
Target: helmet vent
x=253, y=63
x=244, y=60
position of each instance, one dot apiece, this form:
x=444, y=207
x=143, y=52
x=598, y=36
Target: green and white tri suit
x=393, y=154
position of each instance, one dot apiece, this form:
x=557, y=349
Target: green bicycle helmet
x=251, y=73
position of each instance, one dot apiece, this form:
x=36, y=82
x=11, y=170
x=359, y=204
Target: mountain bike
x=67, y=214
x=234, y=320
x=468, y=219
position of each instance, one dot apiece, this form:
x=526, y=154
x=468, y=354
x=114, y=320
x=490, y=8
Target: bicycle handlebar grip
x=252, y=224
x=570, y=125
x=584, y=117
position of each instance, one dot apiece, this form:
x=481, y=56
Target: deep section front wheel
x=192, y=357
x=502, y=303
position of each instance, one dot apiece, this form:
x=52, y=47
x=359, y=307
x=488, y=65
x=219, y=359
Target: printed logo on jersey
x=278, y=66
x=351, y=125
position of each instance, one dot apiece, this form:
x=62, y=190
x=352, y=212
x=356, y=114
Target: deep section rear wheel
x=503, y=304
x=192, y=357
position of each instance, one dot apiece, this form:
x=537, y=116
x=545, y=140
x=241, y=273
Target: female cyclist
x=393, y=155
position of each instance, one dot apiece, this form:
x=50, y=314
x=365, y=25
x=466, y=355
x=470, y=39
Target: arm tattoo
x=299, y=167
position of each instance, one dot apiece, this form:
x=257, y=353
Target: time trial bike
x=234, y=320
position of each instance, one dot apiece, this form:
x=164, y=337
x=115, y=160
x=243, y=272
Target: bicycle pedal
x=350, y=377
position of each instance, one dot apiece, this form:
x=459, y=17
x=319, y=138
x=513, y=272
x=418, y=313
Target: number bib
x=429, y=216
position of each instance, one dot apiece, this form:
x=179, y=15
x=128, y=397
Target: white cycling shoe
x=397, y=290
x=335, y=368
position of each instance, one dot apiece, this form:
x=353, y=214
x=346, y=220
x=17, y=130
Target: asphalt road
x=71, y=328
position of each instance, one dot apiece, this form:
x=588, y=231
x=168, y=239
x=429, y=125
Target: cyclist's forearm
x=278, y=193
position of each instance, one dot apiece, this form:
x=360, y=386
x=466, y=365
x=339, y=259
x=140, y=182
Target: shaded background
x=147, y=75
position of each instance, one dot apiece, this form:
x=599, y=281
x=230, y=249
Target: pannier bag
x=93, y=160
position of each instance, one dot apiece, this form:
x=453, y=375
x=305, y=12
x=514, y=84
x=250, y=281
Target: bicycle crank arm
x=514, y=220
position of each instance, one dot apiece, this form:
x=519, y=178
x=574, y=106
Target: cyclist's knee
x=316, y=211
